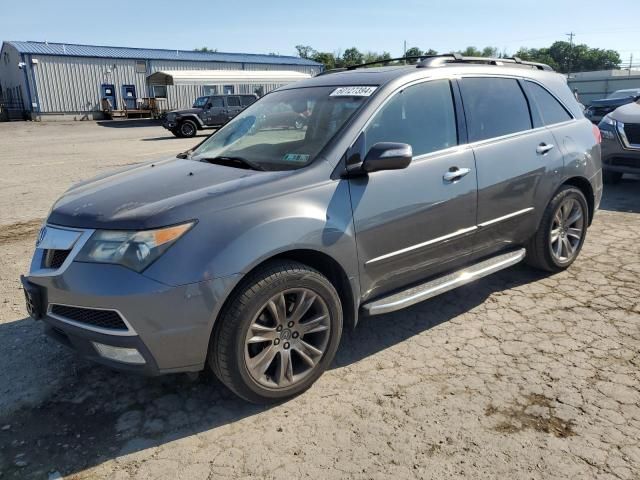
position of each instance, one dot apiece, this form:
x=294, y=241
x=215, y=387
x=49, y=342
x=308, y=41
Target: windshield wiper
x=237, y=162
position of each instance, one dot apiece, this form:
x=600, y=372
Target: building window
x=160, y=91
x=210, y=89
x=228, y=90
x=141, y=66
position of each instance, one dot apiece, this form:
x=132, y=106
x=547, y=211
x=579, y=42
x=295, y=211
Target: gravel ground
x=520, y=375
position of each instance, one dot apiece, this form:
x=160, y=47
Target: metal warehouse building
x=51, y=80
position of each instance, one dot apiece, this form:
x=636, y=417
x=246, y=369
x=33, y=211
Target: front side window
x=284, y=130
x=217, y=102
x=200, y=102
x=494, y=107
x=422, y=116
x=550, y=109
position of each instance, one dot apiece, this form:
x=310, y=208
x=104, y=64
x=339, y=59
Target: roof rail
x=383, y=61
x=443, y=60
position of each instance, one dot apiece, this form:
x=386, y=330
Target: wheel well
x=327, y=266
x=585, y=187
x=192, y=120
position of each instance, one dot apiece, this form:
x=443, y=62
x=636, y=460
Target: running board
x=417, y=294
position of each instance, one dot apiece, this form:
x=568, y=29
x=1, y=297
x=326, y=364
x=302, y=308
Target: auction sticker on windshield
x=353, y=92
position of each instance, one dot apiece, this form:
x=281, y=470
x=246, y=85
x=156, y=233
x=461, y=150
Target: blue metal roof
x=74, y=50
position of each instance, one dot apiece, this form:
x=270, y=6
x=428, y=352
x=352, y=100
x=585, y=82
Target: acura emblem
x=41, y=235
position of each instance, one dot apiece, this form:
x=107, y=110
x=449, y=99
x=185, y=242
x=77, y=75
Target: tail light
x=597, y=134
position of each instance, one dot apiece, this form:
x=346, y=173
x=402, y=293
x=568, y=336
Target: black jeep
x=208, y=111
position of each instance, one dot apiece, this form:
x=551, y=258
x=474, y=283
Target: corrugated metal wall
x=72, y=84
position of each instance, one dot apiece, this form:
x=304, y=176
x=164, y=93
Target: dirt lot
x=520, y=375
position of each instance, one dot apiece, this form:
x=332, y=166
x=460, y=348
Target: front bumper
x=617, y=158
x=170, y=125
x=169, y=326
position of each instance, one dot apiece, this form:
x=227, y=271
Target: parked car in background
x=620, y=132
x=597, y=109
x=250, y=255
x=207, y=112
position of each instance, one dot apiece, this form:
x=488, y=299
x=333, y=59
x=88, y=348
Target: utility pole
x=570, y=35
x=405, y=52
x=630, y=63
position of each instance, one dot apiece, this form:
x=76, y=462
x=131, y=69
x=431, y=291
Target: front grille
x=55, y=258
x=107, y=319
x=632, y=131
x=625, y=162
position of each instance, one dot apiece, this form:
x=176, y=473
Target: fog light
x=119, y=354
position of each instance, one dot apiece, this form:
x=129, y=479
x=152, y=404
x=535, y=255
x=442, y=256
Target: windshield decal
x=296, y=157
x=353, y=92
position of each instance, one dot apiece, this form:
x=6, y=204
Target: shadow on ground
x=96, y=414
x=623, y=196
x=130, y=123
x=170, y=136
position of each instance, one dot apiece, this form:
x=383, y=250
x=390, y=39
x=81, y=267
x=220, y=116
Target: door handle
x=544, y=148
x=455, y=173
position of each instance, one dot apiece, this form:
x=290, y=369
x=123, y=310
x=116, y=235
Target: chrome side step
x=443, y=284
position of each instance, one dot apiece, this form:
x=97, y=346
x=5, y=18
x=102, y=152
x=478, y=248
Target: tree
x=562, y=56
x=205, y=49
x=352, y=56
x=430, y=51
x=326, y=58
x=305, y=51
x=413, y=52
x=490, y=52
x=471, y=52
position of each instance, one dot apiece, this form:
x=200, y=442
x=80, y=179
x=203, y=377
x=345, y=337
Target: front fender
x=191, y=116
x=235, y=240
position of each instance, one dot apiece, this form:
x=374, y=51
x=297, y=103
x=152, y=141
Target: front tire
x=561, y=233
x=187, y=129
x=278, y=333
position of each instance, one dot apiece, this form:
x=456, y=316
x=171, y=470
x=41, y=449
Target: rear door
x=516, y=160
x=414, y=223
x=234, y=106
x=218, y=111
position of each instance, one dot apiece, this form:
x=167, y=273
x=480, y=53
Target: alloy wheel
x=287, y=338
x=567, y=230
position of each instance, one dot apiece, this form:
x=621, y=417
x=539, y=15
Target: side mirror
x=184, y=155
x=387, y=156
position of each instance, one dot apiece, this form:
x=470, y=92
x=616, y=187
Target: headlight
x=607, y=120
x=134, y=250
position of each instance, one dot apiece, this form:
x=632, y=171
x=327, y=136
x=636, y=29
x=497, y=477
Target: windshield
x=284, y=130
x=624, y=93
x=200, y=102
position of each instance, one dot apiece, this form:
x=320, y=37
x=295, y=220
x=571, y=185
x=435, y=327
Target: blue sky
x=329, y=25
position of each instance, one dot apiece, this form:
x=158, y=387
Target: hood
x=156, y=194
x=629, y=113
x=187, y=110
x=611, y=102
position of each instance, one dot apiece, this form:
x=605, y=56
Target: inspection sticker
x=296, y=157
x=353, y=92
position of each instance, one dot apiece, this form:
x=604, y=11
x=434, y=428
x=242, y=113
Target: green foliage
x=560, y=56
x=563, y=57
x=205, y=49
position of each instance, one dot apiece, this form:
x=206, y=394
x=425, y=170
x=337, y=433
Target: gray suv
x=253, y=252
x=621, y=142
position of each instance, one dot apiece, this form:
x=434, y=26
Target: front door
x=108, y=91
x=414, y=223
x=129, y=97
x=515, y=161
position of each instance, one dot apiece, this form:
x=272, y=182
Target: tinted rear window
x=494, y=107
x=233, y=101
x=550, y=109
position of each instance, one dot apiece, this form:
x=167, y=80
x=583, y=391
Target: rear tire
x=611, y=177
x=278, y=333
x=187, y=129
x=561, y=232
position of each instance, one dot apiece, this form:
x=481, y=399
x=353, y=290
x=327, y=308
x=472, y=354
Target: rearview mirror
x=387, y=156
